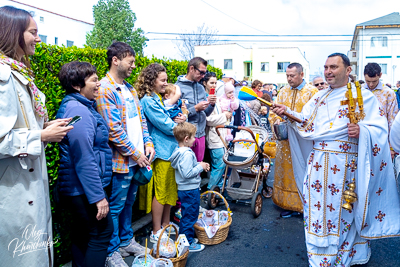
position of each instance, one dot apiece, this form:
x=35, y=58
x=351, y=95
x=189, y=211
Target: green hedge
x=46, y=63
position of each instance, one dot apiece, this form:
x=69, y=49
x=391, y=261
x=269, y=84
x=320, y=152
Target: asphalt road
x=272, y=241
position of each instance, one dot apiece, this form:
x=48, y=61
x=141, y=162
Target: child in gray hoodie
x=187, y=176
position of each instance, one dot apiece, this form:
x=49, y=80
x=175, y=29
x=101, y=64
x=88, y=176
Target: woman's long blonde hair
x=147, y=78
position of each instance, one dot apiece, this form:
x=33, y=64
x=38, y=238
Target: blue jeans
x=122, y=197
x=217, y=167
x=190, y=203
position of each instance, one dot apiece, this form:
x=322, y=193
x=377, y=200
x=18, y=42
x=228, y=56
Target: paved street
x=272, y=241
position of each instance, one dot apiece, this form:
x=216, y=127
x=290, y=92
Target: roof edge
x=51, y=12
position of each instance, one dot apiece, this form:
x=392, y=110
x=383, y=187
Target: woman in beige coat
x=25, y=213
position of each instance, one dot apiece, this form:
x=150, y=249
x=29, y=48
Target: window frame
x=266, y=64
x=43, y=38
x=383, y=67
x=227, y=61
x=283, y=65
x=70, y=42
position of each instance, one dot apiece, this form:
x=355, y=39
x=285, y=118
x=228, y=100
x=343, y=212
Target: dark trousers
x=90, y=237
x=190, y=203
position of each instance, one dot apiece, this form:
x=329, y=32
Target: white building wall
x=54, y=25
x=219, y=53
x=389, y=55
x=273, y=56
x=241, y=55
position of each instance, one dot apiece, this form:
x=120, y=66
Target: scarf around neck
x=40, y=107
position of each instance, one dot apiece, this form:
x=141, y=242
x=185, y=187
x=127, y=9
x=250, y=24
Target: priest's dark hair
x=372, y=69
x=345, y=59
x=296, y=65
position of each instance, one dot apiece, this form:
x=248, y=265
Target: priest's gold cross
x=349, y=194
x=354, y=116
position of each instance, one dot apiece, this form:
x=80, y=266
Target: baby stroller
x=249, y=168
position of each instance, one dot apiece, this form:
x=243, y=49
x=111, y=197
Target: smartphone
x=212, y=91
x=74, y=120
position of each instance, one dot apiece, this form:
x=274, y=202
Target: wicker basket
x=179, y=261
x=222, y=232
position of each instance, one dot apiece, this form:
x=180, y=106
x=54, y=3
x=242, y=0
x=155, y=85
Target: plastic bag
x=167, y=248
x=140, y=261
x=162, y=263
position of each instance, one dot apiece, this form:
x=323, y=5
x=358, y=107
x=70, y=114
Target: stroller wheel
x=212, y=201
x=256, y=204
x=267, y=192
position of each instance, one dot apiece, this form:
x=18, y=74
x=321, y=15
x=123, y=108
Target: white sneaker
x=115, y=260
x=134, y=248
x=154, y=237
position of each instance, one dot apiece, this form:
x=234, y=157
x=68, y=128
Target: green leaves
x=115, y=21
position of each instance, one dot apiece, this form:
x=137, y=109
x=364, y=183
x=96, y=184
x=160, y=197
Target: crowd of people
x=121, y=132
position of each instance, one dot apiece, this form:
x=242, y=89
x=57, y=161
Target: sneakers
x=289, y=213
x=154, y=237
x=133, y=248
x=115, y=260
x=172, y=229
x=194, y=247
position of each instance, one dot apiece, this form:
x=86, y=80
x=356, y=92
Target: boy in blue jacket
x=187, y=176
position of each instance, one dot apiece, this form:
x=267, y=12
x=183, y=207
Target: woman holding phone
x=24, y=132
x=85, y=165
x=213, y=142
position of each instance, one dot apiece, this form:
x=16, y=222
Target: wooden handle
x=292, y=117
x=284, y=113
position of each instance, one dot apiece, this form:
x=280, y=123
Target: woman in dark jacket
x=85, y=166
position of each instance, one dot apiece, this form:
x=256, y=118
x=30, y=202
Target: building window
x=41, y=19
x=210, y=62
x=70, y=43
x=227, y=64
x=383, y=68
x=43, y=38
x=56, y=40
x=264, y=66
x=383, y=41
x=282, y=66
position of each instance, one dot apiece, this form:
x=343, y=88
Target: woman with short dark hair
x=25, y=129
x=85, y=166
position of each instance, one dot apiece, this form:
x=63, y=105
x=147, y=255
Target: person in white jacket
x=25, y=214
x=213, y=142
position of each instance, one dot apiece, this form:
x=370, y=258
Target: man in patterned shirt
x=131, y=144
x=385, y=95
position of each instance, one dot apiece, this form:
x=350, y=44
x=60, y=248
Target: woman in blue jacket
x=85, y=166
x=150, y=84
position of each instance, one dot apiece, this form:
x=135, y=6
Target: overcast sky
x=283, y=17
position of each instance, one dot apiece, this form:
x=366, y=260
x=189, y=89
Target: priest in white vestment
x=327, y=153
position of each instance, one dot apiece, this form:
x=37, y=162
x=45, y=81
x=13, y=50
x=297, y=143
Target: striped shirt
x=111, y=105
